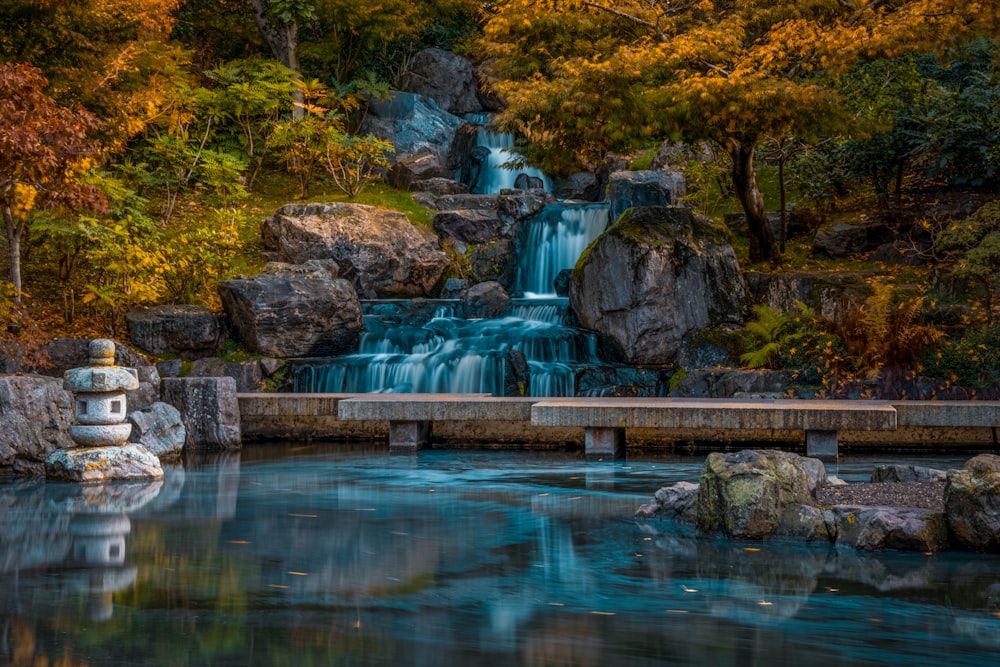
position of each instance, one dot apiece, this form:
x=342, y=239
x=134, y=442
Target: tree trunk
x=745, y=184
x=15, y=230
x=284, y=42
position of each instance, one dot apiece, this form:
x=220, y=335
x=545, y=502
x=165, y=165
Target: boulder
x=652, y=278
x=62, y=354
x=453, y=288
x=209, y=411
x=644, y=188
x=678, y=502
x=495, y=259
x=621, y=381
x=188, y=331
x=877, y=528
x=485, y=301
x=35, y=415
x=248, y=373
x=899, y=472
x=429, y=142
x=288, y=314
x=159, y=429
x=745, y=494
x=844, y=239
x=444, y=77
x=377, y=249
x=440, y=186
x=516, y=374
x=581, y=186
x=148, y=391
x=466, y=202
x=468, y=226
x=95, y=464
x=517, y=205
x=972, y=503
x=830, y=293
x=525, y=181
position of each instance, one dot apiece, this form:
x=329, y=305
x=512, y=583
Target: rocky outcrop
x=729, y=382
x=159, y=429
x=485, y=300
x=444, y=77
x=209, y=411
x=830, y=294
x=289, y=314
x=972, y=503
x=429, y=142
x=747, y=494
x=644, y=188
x=678, y=501
x=248, y=373
x=653, y=277
x=898, y=472
x=188, y=331
x=35, y=414
x=378, y=250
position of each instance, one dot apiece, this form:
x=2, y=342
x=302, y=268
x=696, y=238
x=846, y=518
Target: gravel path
x=926, y=495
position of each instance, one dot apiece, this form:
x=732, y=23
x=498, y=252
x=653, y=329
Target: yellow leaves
x=24, y=200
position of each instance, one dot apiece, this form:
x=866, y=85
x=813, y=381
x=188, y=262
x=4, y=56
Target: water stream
x=307, y=555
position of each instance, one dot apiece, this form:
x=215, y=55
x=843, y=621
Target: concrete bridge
x=606, y=427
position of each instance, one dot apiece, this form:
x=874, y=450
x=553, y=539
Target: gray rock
x=525, y=182
x=745, y=494
x=148, y=391
x=485, y=300
x=831, y=294
x=453, y=288
x=678, y=501
x=209, y=411
x=581, y=186
x=440, y=186
x=644, y=188
x=63, y=354
x=516, y=374
x=188, y=331
x=561, y=282
x=378, y=250
x=843, y=239
x=876, y=528
x=517, y=205
x=429, y=142
x=294, y=315
x=972, y=503
x=804, y=522
x=95, y=464
x=654, y=277
x=35, y=415
x=494, y=260
x=159, y=429
x=466, y=202
x=906, y=473
x=444, y=77
x=468, y=226
x=248, y=373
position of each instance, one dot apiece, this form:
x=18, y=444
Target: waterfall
x=454, y=355
x=493, y=176
x=554, y=240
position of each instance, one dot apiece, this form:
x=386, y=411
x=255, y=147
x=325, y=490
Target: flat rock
x=96, y=464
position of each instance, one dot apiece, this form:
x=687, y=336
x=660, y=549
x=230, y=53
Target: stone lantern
x=99, y=392
x=101, y=432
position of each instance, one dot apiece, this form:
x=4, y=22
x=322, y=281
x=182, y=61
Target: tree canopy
x=585, y=77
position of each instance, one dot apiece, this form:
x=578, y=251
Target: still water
x=312, y=556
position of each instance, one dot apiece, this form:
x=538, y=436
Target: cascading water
x=454, y=355
x=554, y=240
x=493, y=176
x=427, y=347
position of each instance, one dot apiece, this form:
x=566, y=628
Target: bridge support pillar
x=604, y=443
x=822, y=445
x=409, y=436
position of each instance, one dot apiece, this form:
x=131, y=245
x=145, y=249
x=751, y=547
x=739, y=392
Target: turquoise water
x=327, y=556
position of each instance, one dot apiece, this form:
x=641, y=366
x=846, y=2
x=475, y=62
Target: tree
x=45, y=149
x=583, y=77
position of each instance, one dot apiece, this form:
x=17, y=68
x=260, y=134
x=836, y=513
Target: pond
x=353, y=556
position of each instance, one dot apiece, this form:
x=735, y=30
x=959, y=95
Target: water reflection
x=452, y=558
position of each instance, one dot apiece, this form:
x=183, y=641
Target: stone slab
x=779, y=414
x=436, y=407
x=955, y=414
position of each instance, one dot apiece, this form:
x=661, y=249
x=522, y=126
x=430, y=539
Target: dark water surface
x=334, y=557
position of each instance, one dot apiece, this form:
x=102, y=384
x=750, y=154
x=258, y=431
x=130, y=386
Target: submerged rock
x=972, y=503
x=96, y=464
